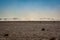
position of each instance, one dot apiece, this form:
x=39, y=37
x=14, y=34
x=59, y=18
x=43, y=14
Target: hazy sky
x=30, y=8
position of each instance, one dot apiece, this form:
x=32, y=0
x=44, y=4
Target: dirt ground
x=29, y=30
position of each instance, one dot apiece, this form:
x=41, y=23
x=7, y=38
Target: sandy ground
x=29, y=30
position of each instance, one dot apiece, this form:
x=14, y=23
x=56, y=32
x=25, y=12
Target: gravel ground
x=29, y=30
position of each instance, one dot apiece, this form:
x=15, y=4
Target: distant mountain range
x=29, y=19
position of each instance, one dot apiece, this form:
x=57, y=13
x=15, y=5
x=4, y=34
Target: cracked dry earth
x=29, y=30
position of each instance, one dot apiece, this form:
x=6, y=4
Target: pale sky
x=30, y=9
